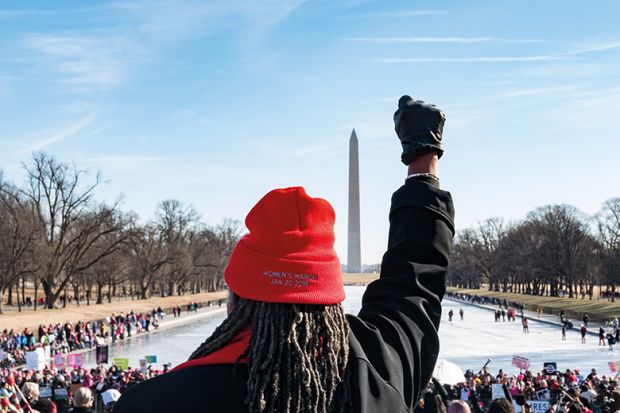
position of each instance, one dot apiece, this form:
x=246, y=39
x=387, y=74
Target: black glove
x=419, y=127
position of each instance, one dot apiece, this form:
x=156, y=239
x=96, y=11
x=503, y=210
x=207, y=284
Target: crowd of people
x=567, y=391
x=67, y=337
x=97, y=390
x=75, y=390
x=608, y=331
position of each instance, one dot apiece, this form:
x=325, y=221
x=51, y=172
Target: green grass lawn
x=573, y=308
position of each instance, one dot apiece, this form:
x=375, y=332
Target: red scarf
x=226, y=355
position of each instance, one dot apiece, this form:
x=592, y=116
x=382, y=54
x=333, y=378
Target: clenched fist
x=419, y=127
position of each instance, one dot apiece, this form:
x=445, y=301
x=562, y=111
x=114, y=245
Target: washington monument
x=354, y=255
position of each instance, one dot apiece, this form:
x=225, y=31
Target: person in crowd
x=30, y=390
x=46, y=406
x=83, y=401
x=450, y=315
x=458, y=406
x=501, y=406
x=461, y=313
x=525, y=324
x=584, y=332
x=286, y=345
x=601, y=336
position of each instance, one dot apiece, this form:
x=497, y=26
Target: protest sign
x=47, y=352
x=550, y=367
x=59, y=361
x=538, y=406
x=497, y=392
x=613, y=367
x=45, y=392
x=521, y=362
x=142, y=365
x=61, y=393
x=121, y=363
x=35, y=360
x=78, y=360
x=70, y=360
x=151, y=359
x=102, y=354
x=464, y=394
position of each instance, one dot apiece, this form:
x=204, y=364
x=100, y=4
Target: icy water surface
x=468, y=343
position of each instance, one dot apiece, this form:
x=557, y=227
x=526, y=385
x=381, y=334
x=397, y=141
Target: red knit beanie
x=288, y=256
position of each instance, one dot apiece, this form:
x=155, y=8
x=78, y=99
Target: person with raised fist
x=286, y=345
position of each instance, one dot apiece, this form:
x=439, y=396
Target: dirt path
x=32, y=319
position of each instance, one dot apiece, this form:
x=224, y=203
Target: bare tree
x=176, y=223
x=565, y=245
x=478, y=246
x=149, y=255
x=68, y=219
x=608, y=223
x=18, y=238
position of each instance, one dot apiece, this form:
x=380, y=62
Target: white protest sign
x=35, y=360
x=497, y=391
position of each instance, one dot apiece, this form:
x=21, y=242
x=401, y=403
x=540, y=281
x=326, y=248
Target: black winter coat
x=394, y=342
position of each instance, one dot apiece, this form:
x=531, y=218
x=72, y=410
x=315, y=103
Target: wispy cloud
x=84, y=61
x=541, y=91
x=484, y=59
x=501, y=59
x=130, y=159
x=168, y=19
x=14, y=14
x=601, y=48
x=440, y=40
x=401, y=14
x=64, y=133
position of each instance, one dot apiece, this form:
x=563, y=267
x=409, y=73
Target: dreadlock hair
x=297, y=356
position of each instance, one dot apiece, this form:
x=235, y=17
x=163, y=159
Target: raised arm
x=396, y=329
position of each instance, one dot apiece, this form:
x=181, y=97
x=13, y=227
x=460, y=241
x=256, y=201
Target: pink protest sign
x=521, y=362
x=78, y=360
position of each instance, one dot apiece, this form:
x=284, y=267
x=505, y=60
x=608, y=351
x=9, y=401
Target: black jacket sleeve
x=394, y=340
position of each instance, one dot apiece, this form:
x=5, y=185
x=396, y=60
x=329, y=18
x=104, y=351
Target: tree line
x=58, y=240
x=555, y=251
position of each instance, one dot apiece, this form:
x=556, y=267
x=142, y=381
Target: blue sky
x=215, y=103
